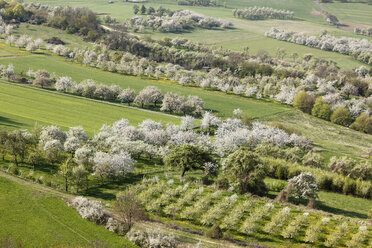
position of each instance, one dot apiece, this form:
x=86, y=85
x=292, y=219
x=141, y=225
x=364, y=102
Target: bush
x=14, y=170
x=276, y=186
x=30, y=177
x=89, y=209
x=151, y=239
x=325, y=182
x=321, y=109
x=342, y=165
x=304, y=102
x=214, y=232
x=349, y=187
x=342, y=117
x=364, y=189
x=338, y=184
x=285, y=128
x=362, y=171
x=312, y=159
x=282, y=172
x=363, y=124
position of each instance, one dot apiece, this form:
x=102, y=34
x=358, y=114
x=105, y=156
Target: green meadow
x=22, y=107
x=37, y=219
x=330, y=139
x=246, y=33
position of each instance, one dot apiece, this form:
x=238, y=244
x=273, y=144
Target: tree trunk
x=183, y=172
x=3, y=154
x=86, y=183
x=66, y=184
x=15, y=159
x=311, y=203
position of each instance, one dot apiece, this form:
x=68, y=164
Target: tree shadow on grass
x=4, y=121
x=99, y=193
x=322, y=206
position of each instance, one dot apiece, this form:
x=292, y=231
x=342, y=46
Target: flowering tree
x=304, y=186
x=187, y=122
x=127, y=96
x=112, y=165
x=150, y=94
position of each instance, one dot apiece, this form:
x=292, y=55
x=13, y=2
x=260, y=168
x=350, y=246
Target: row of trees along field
x=178, y=21
x=342, y=93
x=261, y=13
x=80, y=21
x=283, y=154
x=360, y=49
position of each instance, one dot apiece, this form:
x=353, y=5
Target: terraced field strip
x=23, y=106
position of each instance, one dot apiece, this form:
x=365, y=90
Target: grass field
x=353, y=13
x=45, y=32
x=331, y=139
x=36, y=219
x=336, y=203
x=245, y=34
x=213, y=100
x=21, y=107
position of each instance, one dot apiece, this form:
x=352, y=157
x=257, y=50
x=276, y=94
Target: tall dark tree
x=188, y=157
x=245, y=168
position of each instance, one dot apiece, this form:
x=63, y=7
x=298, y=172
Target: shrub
x=304, y=102
x=321, y=109
x=335, y=238
x=286, y=128
x=342, y=165
x=276, y=186
x=282, y=172
x=342, y=117
x=251, y=223
x=363, y=124
x=338, y=184
x=325, y=181
x=214, y=232
x=362, y=171
x=349, y=186
x=14, y=170
x=364, y=189
x=151, y=239
x=89, y=209
x=312, y=159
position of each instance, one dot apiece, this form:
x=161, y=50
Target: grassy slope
x=247, y=33
x=215, y=102
x=21, y=107
x=332, y=139
x=336, y=203
x=45, y=32
x=353, y=13
x=39, y=220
